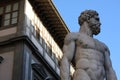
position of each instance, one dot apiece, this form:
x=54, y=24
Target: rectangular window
x=40, y=40
x=32, y=29
x=7, y=20
x=8, y=8
x=0, y=20
x=44, y=44
x=56, y=60
x=37, y=34
x=15, y=6
x=1, y=10
x=49, y=50
x=9, y=14
x=14, y=17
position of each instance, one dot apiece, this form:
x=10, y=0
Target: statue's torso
x=89, y=55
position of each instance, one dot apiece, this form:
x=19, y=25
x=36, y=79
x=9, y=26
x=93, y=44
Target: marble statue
x=90, y=57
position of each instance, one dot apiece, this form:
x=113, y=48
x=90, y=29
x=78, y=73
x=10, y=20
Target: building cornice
x=51, y=19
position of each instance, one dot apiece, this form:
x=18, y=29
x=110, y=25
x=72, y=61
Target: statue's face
x=94, y=24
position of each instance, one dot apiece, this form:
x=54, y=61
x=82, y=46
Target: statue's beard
x=95, y=29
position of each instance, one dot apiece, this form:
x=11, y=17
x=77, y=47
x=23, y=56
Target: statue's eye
x=97, y=19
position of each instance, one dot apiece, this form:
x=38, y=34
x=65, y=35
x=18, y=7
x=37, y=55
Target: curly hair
x=86, y=15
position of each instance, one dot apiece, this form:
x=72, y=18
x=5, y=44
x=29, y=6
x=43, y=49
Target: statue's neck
x=86, y=29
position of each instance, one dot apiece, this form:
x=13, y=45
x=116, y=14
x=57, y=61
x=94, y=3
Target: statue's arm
x=110, y=73
x=68, y=53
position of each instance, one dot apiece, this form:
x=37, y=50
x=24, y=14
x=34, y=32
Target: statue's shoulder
x=102, y=44
x=72, y=36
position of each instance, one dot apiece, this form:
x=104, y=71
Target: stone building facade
x=31, y=38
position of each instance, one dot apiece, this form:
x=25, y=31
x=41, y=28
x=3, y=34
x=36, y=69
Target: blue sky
x=109, y=14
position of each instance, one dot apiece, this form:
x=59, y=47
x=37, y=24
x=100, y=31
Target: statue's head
x=91, y=17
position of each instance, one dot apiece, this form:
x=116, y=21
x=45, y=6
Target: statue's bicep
x=68, y=50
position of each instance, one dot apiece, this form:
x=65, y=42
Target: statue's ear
x=88, y=17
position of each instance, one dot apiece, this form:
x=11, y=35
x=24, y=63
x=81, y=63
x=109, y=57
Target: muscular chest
x=87, y=42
